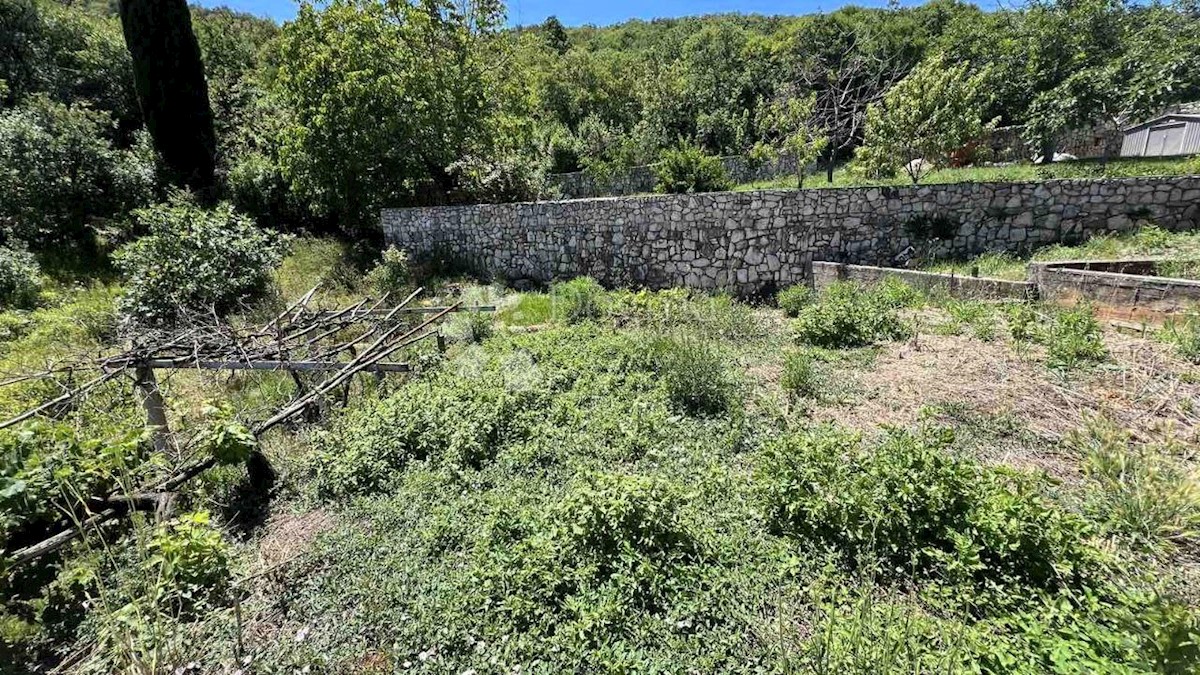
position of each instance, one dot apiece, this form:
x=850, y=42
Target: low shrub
x=971, y=315
x=393, y=272
x=848, y=315
x=613, y=549
x=1022, y=322
x=711, y=316
x=20, y=279
x=47, y=471
x=189, y=561
x=687, y=169
x=195, y=261
x=469, y=327
x=612, y=515
x=1074, y=338
x=908, y=506
x=456, y=419
x=894, y=292
x=224, y=437
x=800, y=376
x=578, y=300
x=694, y=373
x=793, y=299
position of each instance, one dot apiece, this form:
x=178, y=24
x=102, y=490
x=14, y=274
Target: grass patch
x=1142, y=493
x=1184, y=335
x=846, y=176
x=801, y=375
x=1181, y=251
x=1074, y=339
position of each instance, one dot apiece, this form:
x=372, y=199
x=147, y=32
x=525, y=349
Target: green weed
x=1074, y=339
x=578, y=300
x=695, y=374
x=801, y=377
x=794, y=298
x=1139, y=492
x=907, y=506
x=1184, y=334
x=848, y=315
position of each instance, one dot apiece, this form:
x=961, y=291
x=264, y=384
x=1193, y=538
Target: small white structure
x=1165, y=136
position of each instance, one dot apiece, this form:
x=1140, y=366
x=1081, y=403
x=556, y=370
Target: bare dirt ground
x=1008, y=394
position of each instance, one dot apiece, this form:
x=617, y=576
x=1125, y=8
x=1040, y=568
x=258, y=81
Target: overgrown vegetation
x=194, y=261
x=848, y=315
x=587, y=480
x=686, y=169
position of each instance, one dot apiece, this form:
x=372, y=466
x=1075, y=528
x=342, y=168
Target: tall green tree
x=556, y=35
x=394, y=103
x=932, y=112
x=169, y=76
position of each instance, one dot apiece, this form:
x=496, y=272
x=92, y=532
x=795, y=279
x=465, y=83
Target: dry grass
x=288, y=536
x=1144, y=388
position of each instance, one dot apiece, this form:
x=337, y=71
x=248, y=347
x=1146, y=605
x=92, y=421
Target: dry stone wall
x=749, y=242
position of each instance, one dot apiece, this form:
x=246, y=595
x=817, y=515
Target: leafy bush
x=58, y=173
x=392, y=273
x=848, y=315
x=195, y=261
x=578, y=300
x=1022, y=322
x=454, y=419
x=1074, y=338
x=47, y=471
x=800, y=376
x=20, y=279
x=687, y=169
x=225, y=438
x=695, y=374
x=611, y=549
x=189, y=560
x=469, y=327
x=793, y=299
x=911, y=506
x=894, y=292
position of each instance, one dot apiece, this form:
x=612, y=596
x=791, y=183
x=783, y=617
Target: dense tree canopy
x=359, y=103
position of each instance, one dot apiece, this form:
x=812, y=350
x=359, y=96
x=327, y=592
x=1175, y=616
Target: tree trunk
x=168, y=75
x=1049, y=148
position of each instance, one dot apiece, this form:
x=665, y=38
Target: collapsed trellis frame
x=296, y=341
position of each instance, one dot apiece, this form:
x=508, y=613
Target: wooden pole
x=150, y=396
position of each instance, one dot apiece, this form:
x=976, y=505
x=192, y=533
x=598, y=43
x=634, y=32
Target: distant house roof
x=1181, y=116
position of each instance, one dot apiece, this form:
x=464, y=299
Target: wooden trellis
x=335, y=344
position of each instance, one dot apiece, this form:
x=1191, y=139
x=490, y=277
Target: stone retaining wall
x=1119, y=289
x=750, y=242
x=955, y=285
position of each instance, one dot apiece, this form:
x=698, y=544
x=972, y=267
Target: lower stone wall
x=958, y=286
x=1119, y=290
x=751, y=242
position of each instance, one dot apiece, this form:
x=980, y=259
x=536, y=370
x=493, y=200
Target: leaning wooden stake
x=151, y=399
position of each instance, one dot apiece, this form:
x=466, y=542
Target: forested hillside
x=358, y=104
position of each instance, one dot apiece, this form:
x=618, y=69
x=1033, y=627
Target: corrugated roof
x=1160, y=118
